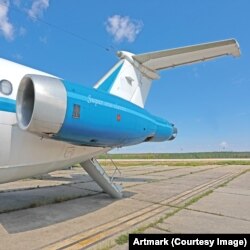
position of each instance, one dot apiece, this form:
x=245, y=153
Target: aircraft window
x=5, y=87
x=76, y=111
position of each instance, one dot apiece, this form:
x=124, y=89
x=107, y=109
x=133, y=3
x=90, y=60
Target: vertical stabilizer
x=127, y=81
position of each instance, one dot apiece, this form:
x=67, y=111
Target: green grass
x=196, y=198
x=199, y=155
x=122, y=239
x=233, y=162
x=173, y=163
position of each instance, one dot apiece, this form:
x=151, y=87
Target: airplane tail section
x=132, y=76
x=127, y=80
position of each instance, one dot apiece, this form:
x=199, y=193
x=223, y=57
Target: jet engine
x=41, y=104
x=54, y=108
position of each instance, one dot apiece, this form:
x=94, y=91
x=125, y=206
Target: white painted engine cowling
x=41, y=104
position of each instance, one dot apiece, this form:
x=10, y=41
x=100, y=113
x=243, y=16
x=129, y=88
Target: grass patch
x=233, y=162
x=194, y=155
x=197, y=198
x=173, y=163
x=122, y=239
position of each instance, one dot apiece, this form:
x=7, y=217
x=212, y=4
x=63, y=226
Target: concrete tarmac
x=67, y=210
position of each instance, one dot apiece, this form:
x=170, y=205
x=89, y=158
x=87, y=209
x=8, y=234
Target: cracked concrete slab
x=225, y=210
x=187, y=221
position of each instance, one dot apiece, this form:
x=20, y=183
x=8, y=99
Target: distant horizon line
x=194, y=152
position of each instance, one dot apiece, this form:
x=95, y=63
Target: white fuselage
x=23, y=154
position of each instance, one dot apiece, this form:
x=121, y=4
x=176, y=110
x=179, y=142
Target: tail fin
x=126, y=80
x=132, y=76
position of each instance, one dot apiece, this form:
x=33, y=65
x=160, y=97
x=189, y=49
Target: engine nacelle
x=41, y=104
x=60, y=110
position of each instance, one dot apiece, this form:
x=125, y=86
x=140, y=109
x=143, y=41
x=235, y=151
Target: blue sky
x=208, y=102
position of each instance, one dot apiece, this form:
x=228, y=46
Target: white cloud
x=6, y=27
x=37, y=8
x=123, y=28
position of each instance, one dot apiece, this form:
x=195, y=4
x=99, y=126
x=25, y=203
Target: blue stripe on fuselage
x=7, y=105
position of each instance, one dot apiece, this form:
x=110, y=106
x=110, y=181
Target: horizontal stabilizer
x=187, y=55
x=132, y=76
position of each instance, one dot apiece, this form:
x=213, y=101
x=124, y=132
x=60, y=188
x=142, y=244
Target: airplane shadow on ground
x=41, y=207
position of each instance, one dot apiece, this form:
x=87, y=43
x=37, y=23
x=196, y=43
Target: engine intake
x=41, y=104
